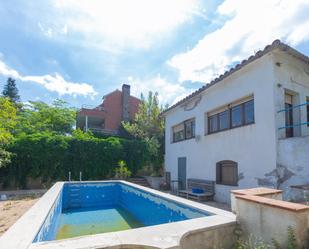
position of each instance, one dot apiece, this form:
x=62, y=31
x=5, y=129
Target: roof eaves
x=275, y=44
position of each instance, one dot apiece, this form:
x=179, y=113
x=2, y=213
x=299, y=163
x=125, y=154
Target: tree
x=7, y=123
x=148, y=125
x=40, y=117
x=10, y=91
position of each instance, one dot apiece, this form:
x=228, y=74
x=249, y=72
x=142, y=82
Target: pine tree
x=10, y=91
x=148, y=125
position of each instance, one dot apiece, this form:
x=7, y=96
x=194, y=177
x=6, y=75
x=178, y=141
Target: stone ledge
x=256, y=191
x=295, y=207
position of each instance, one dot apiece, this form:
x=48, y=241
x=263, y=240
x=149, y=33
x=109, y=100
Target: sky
x=79, y=50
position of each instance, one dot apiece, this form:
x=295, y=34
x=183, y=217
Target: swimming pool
x=91, y=208
x=118, y=214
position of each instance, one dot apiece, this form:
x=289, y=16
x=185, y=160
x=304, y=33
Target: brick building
x=106, y=118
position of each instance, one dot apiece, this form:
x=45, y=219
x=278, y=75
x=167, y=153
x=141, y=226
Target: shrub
x=122, y=172
x=50, y=157
x=255, y=243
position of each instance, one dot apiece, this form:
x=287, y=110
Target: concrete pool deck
x=216, y=229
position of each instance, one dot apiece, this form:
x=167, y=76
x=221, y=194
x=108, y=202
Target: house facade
x=106, y=118
x=247, y=128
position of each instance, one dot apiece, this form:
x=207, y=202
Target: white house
x=247, y=128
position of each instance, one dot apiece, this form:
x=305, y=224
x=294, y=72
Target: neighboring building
x=247, y=128
x=106, y=118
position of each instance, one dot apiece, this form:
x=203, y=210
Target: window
x=223, y=120
x=235, y=116
x=213, y=123
x=178, y=133
x=190, y=128
x=227, y=173
x=236, y=113
x=308, y=111
x=184, y=130
x=249, y=112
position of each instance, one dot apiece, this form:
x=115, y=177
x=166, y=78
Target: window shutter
x=178, y=128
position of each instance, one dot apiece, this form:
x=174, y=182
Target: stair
x=140, y=181
x=74, y=197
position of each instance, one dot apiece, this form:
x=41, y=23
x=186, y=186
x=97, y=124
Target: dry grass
x=12, y=210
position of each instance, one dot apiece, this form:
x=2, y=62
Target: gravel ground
x=12, y=210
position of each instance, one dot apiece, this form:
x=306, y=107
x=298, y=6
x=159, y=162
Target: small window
x=227, y=173
x=184, y=130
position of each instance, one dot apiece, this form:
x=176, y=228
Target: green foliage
x=37, y=141
x=252, y=243
x=7, y=120
x=7, y=124
x=291, y=243
x=122, y=172
x=275, y=244
x=51, y=156
x=40, y=117
x=10, y=91
x=255, y=243
x=5, y=157
x=148, y=126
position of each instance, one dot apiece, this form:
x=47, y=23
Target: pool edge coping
x=38, y=213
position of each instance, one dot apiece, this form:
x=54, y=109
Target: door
x=182, y=172
x=289, y=115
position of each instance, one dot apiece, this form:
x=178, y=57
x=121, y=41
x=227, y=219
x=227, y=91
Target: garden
x=39, y=144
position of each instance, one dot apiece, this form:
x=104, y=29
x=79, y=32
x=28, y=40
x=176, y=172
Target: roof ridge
x=275, y=44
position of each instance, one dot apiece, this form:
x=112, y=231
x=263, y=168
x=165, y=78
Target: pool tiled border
x=169, y=235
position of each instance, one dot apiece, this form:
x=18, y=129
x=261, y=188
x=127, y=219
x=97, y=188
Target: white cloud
x=54, y=83
x=169, y=93
x=251, y=26
x=135, y=23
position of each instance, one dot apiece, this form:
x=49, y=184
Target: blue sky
x=80, y=50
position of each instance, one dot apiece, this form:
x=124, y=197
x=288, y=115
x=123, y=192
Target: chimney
x=125, y=102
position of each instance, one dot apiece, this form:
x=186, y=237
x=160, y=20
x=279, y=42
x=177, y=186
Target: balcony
x=92, y=118
x=294, y=120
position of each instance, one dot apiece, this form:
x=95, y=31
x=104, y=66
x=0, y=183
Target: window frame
x=230, y=117
x=219, y=167
x=185, y=137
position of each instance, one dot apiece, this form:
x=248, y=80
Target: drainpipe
x=86, y=123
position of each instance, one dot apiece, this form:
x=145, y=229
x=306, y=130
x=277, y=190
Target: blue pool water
x=91, y=208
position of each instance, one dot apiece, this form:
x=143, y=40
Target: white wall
x=252, y=146
x=292, y=153
x=293, y=75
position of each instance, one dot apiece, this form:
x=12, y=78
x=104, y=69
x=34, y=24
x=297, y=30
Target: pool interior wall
x=90, y=208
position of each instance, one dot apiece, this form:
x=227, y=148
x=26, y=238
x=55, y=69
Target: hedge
x=50, y=157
